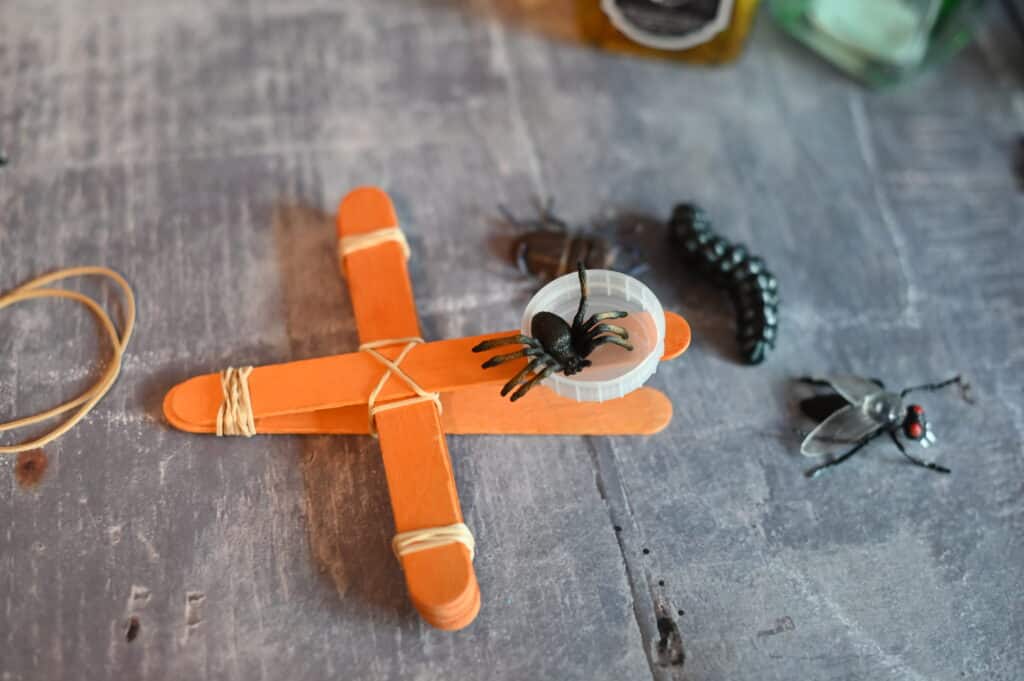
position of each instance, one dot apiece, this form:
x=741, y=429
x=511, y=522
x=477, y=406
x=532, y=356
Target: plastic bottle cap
x=615, y=371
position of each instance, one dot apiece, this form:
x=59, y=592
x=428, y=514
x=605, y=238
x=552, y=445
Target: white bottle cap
x=615, y=371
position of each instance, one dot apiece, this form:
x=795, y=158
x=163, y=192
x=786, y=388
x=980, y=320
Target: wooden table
x=198, y=148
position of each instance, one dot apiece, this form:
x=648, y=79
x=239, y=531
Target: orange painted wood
x=328, y=383
x=677, y=336
x=481, y=410
x=441, y=582
x=329, y=395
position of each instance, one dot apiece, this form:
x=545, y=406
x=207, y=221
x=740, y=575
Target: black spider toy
x=860, y=410
x=555, y=346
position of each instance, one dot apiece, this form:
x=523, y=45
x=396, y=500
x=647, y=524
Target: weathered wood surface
x=199, y=147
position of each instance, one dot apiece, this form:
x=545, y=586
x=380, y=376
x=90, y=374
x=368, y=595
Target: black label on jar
x=669, y=24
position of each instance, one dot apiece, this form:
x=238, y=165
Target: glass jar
x=708, y=31
x=880, y=42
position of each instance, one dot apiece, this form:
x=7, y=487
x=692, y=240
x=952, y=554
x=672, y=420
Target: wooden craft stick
x=481, y=410
x=329, y=383
x=441, y=582
x=336, y=395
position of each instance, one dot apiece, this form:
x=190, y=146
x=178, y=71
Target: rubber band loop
x=414, y=541
x=359, y=242
x=235, y=417
x=394, y=368
x=85, y=402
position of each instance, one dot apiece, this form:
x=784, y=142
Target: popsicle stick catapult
x=410, y=394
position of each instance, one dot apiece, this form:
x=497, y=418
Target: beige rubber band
x=235, y=417
x=394, y=368
x=405, y=543
x=358, y=242
x=430, y=537
x=87, y=400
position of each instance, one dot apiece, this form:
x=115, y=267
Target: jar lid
x=615, y=371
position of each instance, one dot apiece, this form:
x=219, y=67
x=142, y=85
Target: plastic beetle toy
x=861, y=409
x=548, y=247
x=556, y=346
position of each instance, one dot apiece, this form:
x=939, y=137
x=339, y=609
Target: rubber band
x=430, y=537
x=235, y=417
x=84, y=403
x=358, y=242
x=394, y=368
x=413, y=541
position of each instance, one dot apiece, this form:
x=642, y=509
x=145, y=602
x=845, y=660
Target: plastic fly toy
x=861, y=409
x=556, y=346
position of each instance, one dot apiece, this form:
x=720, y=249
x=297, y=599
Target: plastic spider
x=556, y=346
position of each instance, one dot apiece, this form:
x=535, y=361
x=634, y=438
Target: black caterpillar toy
x=754, y=290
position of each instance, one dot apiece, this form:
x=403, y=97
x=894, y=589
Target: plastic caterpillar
x=754, y=290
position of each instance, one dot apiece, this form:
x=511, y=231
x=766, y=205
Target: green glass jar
x=881, y=42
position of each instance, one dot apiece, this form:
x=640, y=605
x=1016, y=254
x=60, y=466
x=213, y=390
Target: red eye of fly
x=916, y=408
x=915, y=430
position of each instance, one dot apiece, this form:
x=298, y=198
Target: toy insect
x=754, y=290
x=556, y=346
x=861, y=409
x=548, y=247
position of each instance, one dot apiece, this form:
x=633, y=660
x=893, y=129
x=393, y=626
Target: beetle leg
x=509, y=218
x=521, y=250
x=533, y=381
x=500, y=359
x=601, y=316
x=547, y=214
x=519, y=339
x=536, y=365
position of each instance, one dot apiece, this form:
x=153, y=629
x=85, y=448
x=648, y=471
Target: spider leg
x=525, y=388
x=534, y=365
x=812, y=472
x=594, y=343
x=913, y=459
x=519, y=339
x=593, y=338
x=931, y=387
x=500, y=359
x=608, y=328
x=581, y=311
x=601, y=316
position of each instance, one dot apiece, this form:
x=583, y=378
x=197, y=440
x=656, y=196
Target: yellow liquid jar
x=705, y=31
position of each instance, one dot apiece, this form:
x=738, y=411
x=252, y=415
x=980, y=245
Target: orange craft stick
x=481, y=410
x=441, y=582
x=331, y=395
x=326, y=384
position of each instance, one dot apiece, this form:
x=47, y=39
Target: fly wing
x=839, y=432
x=853, y=388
